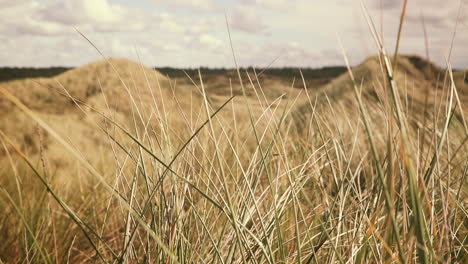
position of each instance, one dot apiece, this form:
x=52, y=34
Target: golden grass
x=113, y=162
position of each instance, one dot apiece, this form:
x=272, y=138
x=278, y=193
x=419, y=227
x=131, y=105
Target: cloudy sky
x=193, y=33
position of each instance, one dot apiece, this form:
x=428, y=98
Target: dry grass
x=114, y=163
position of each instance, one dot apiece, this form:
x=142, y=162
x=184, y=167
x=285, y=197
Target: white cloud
x=193, y=33
x=21, y=18
x=193, y=4
x=246, y=18
x=85, y=11
x=210, y=41
x=439, y=20
x=272, y=4
x=9, y=3
x=29, y=17
x=100, y=15
x=285, y=53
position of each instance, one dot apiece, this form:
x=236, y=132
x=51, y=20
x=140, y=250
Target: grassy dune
x=113, y=162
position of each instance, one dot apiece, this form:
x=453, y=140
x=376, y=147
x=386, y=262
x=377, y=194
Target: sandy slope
x=126, y=90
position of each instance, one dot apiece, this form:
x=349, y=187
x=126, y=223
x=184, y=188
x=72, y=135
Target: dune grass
x=240, y=181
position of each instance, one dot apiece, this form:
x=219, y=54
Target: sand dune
x=262, y=167
x=118, y=87
x=122, y=86
x=422, y=87
x=111, y=76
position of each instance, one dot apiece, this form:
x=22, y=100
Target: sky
x=194, y=33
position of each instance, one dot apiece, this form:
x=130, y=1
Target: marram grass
x=366, y=176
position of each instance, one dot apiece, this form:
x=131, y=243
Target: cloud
x=210, y=41
x=42, y=33
x=99, y=15
x=21, y=18
x=185, y=33
x=28, y=17
x=437, y=15
x=295, y=54
x=245, y=17
x=192, y=4
x=9, y=3
x=85, y=11
x=270, y=4
x=284, y=53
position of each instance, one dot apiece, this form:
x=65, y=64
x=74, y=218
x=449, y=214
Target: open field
x=116, y=162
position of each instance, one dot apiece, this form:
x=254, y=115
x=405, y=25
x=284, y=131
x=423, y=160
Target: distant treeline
x=287, y=72
x=13, y=73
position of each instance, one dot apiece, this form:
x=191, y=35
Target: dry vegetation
x=114, y=162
